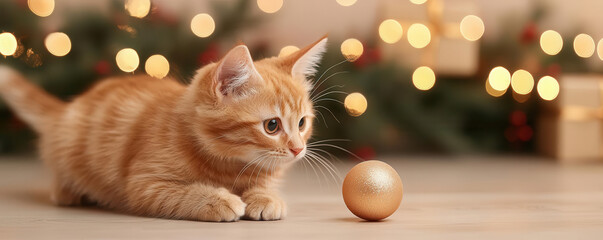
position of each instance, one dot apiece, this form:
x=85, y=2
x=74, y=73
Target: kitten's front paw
x=223, y=206
x=264, y=206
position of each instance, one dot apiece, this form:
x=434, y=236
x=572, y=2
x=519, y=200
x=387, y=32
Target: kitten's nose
x=296, y=151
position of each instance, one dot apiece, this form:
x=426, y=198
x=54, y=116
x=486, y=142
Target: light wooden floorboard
x=444, y=198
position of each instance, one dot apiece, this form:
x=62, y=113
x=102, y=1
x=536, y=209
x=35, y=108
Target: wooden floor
x=444, y=198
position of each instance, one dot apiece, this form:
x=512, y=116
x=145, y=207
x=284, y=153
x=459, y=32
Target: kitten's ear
x=304, y=62
x=235, y=73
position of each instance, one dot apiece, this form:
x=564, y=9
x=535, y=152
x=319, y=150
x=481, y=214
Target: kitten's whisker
x=327, y=162
x=332, y=114
x=323, y=117
x=319, y=167
x=329, y=99
x=324, y=80
x=247, y=166
x=314, y=100
x=329, y=140
x=338, y=147
x=327, y=89
x=327, y=167
x=328, y=153
x=328, y=69
x=313, y=169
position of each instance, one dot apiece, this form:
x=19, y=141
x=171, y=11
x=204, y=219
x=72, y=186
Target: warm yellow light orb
x=58, y=44
x=346, y=3
x=472, y=27
x=352, y=49
x=287, y=50
x=127, y=60
x=522, y=82
x=499, y=78
x=355, y=104
x=157, y=66
x=493, y=92
x=270, y=6
x=423, y=78
x=584, y=45
x=551, y=42
x=548, y=88
x=203, y=25
x=42, y=8
x=418, y=35
x=390, y=31
x=138, y=8
x=8, y=44
x=418, y=2
x=600, y=49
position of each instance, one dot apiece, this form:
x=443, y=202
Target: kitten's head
x=257, y=111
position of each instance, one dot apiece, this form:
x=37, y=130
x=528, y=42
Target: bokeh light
x=551, y=42
x=584, y=45
x=127, y=60
x=548, y=88
x=8, y=44
x=355, y=104
x=352, y=49
x=522, y=82
x=270, y=6
x=390, y=31
x=58, y=44
x=472, y=27
x=138, y=8
x=203, y=25
x=418, y=2
x=600, y=49
x=499, y=78
x=418, y=35
x=493, y=92
x=287, y=50
x=157, y=66
x=423, y=78
x=42, y=8
x=346, y=3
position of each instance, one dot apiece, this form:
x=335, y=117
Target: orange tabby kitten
x=209, y=151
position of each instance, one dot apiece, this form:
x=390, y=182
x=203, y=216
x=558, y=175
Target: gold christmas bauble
x=372, y=190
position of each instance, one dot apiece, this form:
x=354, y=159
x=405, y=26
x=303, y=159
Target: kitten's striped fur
x=159, y=148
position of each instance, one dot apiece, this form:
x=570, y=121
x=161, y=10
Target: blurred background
x=399, y=77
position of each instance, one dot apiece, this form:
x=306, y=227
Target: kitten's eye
x=271, y=126
x=302, y=122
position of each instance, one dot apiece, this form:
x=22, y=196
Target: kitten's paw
x=223, y=206
x=264, y=206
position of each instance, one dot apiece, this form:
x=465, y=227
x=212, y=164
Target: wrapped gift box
x=570, y=128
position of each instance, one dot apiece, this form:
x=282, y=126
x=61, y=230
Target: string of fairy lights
x=391, y=31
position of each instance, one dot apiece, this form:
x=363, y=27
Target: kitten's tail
x=32, y=104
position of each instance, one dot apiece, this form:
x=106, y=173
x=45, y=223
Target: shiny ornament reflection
x=472, y=27
x=58, y=44
x=270, y=6
x=157, y=66
x=372, y=190
x=352, y=49
x=355, y=104
x=127, y=60
x=423, y=78
x=390, y=31
x=551, y=42
x=203, y=25
x=138, y=8
x=42, y=8
x=287, y=50
x=8, y=44
x=548, y=88
x=499, y=78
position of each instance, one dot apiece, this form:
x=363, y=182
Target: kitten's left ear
x=304, y=62
x=235, y=74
